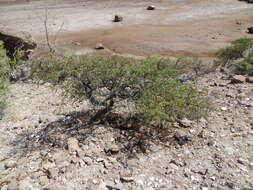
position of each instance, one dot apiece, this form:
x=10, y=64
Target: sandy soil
x=175, y=28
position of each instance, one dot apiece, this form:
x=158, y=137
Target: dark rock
x=182, y=138
x=250, y=29
x=230, y=184
x=151, y=7
x=210, y=143
x=118, y=18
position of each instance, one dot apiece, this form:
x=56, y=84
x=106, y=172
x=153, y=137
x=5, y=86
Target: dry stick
x=46, y=33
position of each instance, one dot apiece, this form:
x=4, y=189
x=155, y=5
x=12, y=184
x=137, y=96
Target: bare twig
x=46, y=33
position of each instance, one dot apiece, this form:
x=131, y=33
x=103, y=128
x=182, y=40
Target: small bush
x=150, y=85
x=245, y=66
x=168, y=100
x=235, y=51
x=4, y=70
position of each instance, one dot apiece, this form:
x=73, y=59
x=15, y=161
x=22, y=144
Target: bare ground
x=175, y=28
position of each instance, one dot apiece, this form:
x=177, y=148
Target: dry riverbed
x=174, y=28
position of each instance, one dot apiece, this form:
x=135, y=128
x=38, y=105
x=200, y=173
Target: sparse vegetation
x=245, y=66
x=236, y=50
x=4, y=69
x=150, y=84
x=239, y=49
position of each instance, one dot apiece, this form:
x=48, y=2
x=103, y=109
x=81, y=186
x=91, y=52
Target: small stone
x=13, y=185
x=87, y=160
x=185, y=123
x=114, y=149
x=44, y=180
x=224, y=108
x=100, y=160
x=213, y=178
x=151, y=7
x=241, y=95
x=73, y=146
x=173, y=166
x=126, y=177
x=117, y=18
x=249, y=79
x=76, y=43
x=99, y=46
x=230, y=95
x=210, y=143
x=195, y=179
x=250, y=29
x=238, y=79
x=230, y=184
x=241, y=161
x=10, y=164
x=182, y=137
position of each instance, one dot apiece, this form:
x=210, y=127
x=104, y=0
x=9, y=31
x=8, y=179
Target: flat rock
x=238, y=79
x=185, y=123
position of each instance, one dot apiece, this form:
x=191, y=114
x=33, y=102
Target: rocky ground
x=44, y=145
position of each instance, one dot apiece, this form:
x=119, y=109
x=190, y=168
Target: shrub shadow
x=129, y=135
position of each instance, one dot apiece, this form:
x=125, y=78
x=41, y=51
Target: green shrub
x=168, y=100
x=149, y=84
x=234, y=51
x=245, y=66
x=4, y=70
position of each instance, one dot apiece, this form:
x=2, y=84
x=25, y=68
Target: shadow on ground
x=125, y=131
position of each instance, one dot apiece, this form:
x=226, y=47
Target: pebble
x=224, y=108
x=10, y=164
x=151, y=7
x=99, y=46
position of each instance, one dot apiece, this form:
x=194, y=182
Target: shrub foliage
x=150, y=85
x=235, y=51
x=4, y=70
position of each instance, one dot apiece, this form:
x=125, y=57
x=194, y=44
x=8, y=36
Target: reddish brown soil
x=175, y=28
x=191, y=38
